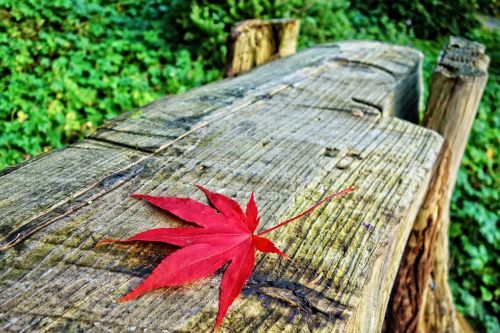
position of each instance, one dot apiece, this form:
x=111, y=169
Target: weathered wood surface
x=457, y=86
x=293, y=131
x=405, y=309
x=255, y=42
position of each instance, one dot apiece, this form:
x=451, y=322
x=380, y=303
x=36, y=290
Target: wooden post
x=254, y=42
x=457, y=87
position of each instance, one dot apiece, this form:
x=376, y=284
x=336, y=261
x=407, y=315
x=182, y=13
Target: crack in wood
x=114, y=129
x=377, y=107
x=353, y=111
x=299, y=296
x=119, y=144
x=364, y=64
x=71, y=205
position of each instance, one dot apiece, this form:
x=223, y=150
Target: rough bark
x=255, y=42
x=409, y=291
x=292, y=130
x=457, y=86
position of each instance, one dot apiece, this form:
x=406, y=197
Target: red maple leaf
x=224, y=234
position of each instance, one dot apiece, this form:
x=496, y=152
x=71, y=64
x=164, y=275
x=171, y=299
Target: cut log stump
x=293, y=131
x=255, y=42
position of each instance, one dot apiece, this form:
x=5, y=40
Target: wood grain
x=407, y=303
x=255, y=42
x=457, y=88
x=291, y=131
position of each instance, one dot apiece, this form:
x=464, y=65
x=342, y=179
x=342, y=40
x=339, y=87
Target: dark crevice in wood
x=377, y=107
x=364, y=64
x=297, y=295
x=327, y=108
x=113, y=129
x=69, y=206
x=146, y=150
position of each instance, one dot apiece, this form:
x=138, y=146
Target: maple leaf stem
x=336, y=194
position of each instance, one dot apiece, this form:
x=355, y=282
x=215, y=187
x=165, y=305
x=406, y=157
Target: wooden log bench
x=293, y=131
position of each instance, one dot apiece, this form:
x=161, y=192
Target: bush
x=428, y=18
x=69, y=65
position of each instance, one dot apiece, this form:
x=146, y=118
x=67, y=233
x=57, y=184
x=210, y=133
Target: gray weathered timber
x=360, y=78
x=293, y=131
x=457, y=87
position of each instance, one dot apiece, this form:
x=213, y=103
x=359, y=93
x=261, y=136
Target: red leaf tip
x=106, y=241
x=123, y=299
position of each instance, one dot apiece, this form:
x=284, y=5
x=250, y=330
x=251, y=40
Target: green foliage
x=489, y=7
x=67, y=65
x=428, y=18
